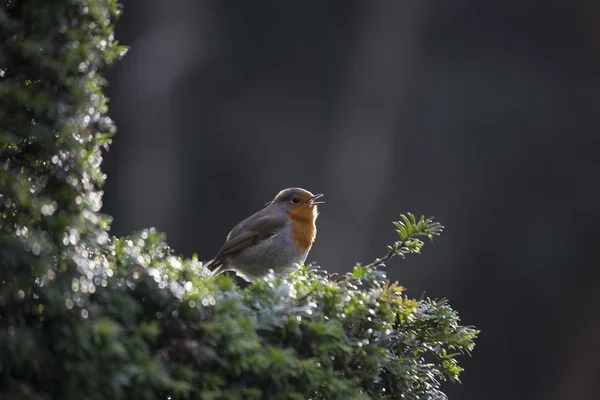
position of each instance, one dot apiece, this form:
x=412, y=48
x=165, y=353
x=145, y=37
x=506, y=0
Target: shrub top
x=84, y=315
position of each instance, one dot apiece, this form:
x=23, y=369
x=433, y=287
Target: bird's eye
x=295, y=200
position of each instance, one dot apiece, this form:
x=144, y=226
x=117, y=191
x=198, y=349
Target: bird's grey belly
x=277, y=253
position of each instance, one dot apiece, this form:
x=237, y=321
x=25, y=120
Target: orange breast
x=304, y=230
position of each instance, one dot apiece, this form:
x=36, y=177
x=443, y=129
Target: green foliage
x=87, y=316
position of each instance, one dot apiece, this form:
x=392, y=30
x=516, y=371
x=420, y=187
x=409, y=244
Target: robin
x=275, y=238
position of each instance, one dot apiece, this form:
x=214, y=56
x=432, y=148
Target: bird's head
x=298, y=203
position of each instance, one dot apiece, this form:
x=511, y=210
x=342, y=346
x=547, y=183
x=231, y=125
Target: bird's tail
x=215, y=266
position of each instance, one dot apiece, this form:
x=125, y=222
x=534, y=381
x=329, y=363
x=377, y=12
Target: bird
x=275, y=238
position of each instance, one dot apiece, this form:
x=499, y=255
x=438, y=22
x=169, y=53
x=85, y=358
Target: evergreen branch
x=408, y=229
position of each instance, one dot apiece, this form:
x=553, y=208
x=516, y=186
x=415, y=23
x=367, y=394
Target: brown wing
x=247, y=233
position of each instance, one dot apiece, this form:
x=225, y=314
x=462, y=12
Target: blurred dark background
x=482, y=114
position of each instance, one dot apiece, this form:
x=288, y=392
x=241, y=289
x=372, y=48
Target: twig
x=386, y=258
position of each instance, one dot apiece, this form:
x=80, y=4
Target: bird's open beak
x=313, y=200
